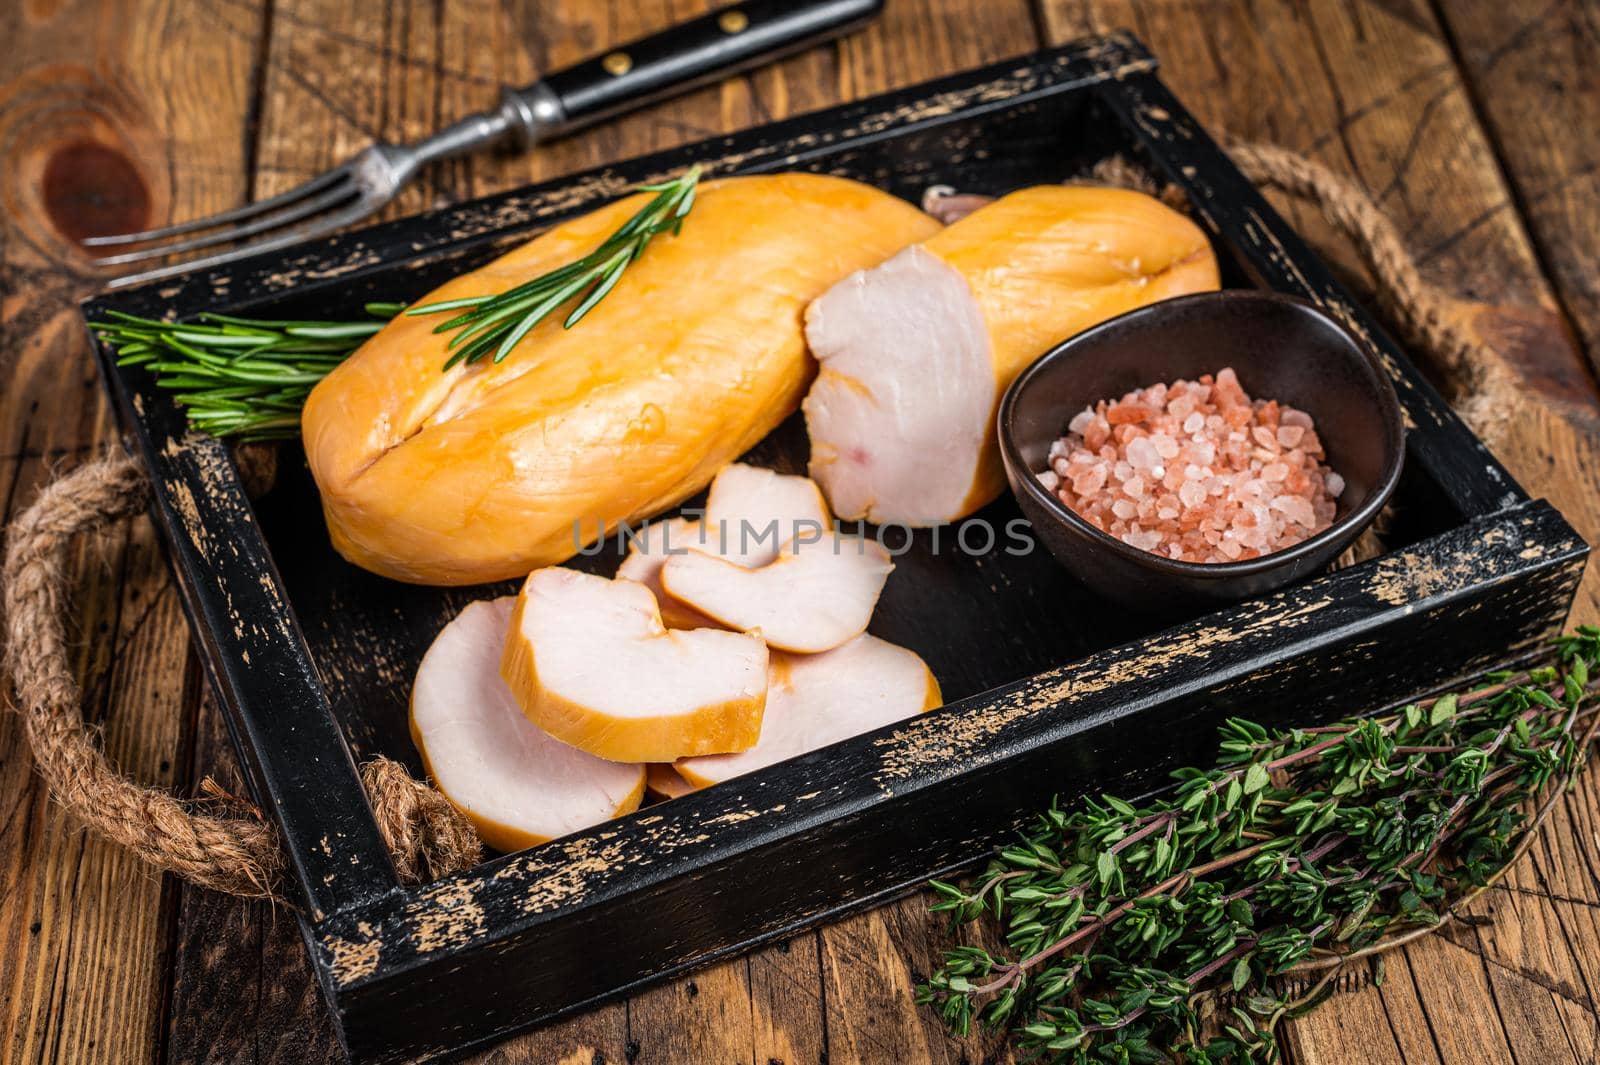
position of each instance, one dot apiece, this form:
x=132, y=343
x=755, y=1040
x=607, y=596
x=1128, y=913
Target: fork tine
x=249, y=210
x=316, y=227
x=329, y=198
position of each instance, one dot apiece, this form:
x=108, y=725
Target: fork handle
x=684, y=57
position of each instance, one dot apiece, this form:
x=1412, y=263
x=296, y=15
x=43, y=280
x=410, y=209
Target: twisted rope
x=1425, y=315
x=236, y=853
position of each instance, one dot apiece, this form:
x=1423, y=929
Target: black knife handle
x=684, y=57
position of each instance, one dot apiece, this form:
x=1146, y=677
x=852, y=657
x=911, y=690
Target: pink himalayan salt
x=1197, y=471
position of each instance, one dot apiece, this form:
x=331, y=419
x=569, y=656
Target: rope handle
x=233, y=852
x=238, y=851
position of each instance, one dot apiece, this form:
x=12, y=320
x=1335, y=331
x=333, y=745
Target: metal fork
x=673, y=61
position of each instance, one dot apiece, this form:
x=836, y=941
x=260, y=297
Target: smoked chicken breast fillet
x=916, y=352
x=486, y=472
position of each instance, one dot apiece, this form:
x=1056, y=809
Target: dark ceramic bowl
x=1282, y=348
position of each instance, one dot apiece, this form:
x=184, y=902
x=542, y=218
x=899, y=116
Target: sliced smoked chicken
x=662, y=781
x=750, y=512
x=591, y=663
x=649, y=550
x=517, y=784
x=485, y=472
x=815, y=595
x=915, y=352
x=815, y=700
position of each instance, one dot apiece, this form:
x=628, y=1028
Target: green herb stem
x=1299, y=849
x=249, y=378
x=498, y=324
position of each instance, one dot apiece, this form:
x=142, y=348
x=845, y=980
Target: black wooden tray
x=1051, y=693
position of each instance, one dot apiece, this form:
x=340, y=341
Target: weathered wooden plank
x=335, y=77
x=1531, y=69
x=242, y=992
x=879, y=955
x=1373, y=90
x=111, y=116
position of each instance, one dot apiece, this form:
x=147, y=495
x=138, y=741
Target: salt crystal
x=1296, y=508
x=1142, y=454
x=1196, y=470
x=1090, y=481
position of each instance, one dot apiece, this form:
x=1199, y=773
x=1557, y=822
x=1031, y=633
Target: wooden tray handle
x=205, y=842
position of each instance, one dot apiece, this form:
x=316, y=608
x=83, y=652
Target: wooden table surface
x=1473, y=121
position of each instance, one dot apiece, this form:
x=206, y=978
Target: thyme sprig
x=498, y=323
x=1156, y=932
x=249, y=378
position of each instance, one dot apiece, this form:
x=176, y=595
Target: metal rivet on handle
x=733, y=22
x=617, y=63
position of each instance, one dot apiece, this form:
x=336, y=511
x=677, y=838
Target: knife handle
x=688, y=55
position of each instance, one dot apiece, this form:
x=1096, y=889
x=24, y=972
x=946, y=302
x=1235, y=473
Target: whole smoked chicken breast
x=916, y=352
x=484, y=472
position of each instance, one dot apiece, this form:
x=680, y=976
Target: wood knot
x=91, y=189
x=79, y=157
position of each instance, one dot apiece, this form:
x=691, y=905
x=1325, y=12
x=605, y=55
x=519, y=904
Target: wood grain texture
x=111, y=114
x=336, y=76
x=1374, y=90
x=1533, y=70
x=209, y=109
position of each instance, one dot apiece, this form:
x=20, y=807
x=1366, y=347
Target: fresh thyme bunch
x=1128, y=927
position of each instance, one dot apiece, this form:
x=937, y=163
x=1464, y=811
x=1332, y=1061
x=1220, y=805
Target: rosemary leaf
x=249, y=377
x=499, y=323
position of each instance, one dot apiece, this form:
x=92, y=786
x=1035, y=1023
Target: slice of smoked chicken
x=517, y=784
x=488, y=471
x=662, y=781
x=916, y=351
x=815, y=595
x=750, y=512
x=815, y=700
x=591, y=663
x=649, y=551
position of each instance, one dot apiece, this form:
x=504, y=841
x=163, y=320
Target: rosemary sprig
x=249, y=378
x=498, y=323
x=241, y=377
x=1128, y=928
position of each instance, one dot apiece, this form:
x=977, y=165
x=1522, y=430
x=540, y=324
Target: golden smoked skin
x=1048, y=262
x=486, y=472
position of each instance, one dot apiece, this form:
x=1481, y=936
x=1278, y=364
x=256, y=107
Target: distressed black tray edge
x=361, y=974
